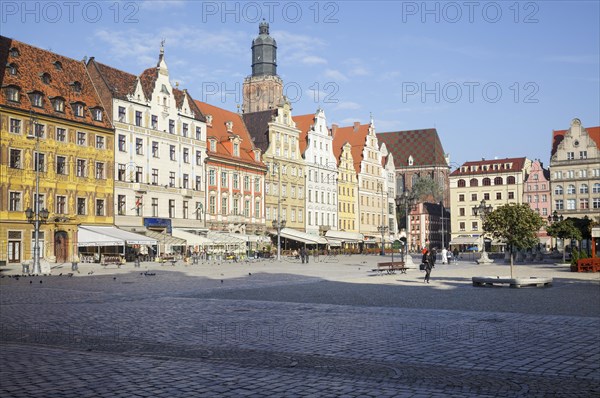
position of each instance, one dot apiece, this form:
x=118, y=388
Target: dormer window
x=236, y=149
x=46, y=79
x=78, y=109
x=76, y=86
x=410, y=160
x=97, y=114
x=14, y=52
x=213, y=145
x=57, y=65
x=12, y=69
x=37, y=99
x=12, y=93
x=229, y=126
x=209, y=120
x=58, y=104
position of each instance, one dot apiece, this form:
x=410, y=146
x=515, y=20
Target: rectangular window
x=15, y=126
x=139, y=146
x=185, y=209
x=171, y=208
x=257, y=209
x=461, y=197
x=61, y=165
x=40, y=162
x=122, y=114
x=154, y=176
x=498, y=195
x=40, y=130
x=61, y=204
x=584, y=203
x=236, y=181
x=582, y=154
x=474, y=197
x=81, y=138
x=511, y=195
x=211, y=177
x=81, y=168
x=121, y=205
x=198, y=133
x=461, y=211
x=212, y=205
x=122, y=144
x=198, y=158
x=14, y=201
x=461, y=226
x=571, y=204
x=61, y=134
x=198, y=185
x=155, y=149
x=596, y=203
x=236, y=206
x=186, y=155
x=256, y=184
x=172, y=179
x=99, y=170
x=81, y=207
x=120, y=172
x=154, y=122
x=186, y=181
x=139, y=174
x=224, y=206
x=184, y=129
x=154, y=207
x=486, y=196
x=570, y=155
x=99, y=142
x=14, y=161
x=198, y=210
x=172, y=152
x=99, y=207
x=171, y=126
x=559, y=204
x=246, y=183
x=474, y=226
x=224, y=179
x=138, y=118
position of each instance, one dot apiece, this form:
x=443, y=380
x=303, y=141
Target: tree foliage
x=515, y=224
x=426, y=189
x=565, y=229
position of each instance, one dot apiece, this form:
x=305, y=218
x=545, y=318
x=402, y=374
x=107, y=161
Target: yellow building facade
x=347, y=191
x=55, y=139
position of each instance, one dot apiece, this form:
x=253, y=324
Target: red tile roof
x=423, y=145
x=304, y=123
x=218, y=129
x=356, y=135
x=517, y=165
x=559, y=135
x=32, y=63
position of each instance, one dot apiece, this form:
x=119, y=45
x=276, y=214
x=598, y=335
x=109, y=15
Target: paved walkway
x=332, y=328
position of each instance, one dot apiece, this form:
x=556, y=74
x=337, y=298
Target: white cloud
x=313, y=60
x=297, y=48
x=347, y=105
x=335, y=75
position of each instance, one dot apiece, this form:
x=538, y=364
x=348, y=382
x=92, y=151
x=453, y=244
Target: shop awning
x=191, y=238
x=164, y=239
x=302, y=237
x=92, y=235
x=334, y=242
x=344, y=236
x=221, y=238
x=465, y=240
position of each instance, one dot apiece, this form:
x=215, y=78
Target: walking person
x=432, y=257
x=426, y=260
x=444, y=256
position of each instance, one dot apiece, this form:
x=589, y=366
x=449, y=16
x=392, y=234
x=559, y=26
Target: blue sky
x=494, y=78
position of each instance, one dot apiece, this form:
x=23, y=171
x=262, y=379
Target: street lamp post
x=36, y=216
x=482, y=210
x=407, y=199
x=382, y=229
x=279, y=224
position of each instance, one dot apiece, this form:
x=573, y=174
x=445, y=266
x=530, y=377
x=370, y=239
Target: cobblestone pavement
x=331, y=328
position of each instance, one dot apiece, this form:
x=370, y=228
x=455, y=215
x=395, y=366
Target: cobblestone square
x=331, y=328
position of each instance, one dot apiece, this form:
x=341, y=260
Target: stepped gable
x=304, y=123
x=64, y=77
x=423, y=145
x=356, y=135
x=559, y=135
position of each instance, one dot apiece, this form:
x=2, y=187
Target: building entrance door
x=61, y=246
x=14, y=251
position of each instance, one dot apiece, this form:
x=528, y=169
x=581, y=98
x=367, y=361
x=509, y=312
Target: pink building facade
x=536, y=194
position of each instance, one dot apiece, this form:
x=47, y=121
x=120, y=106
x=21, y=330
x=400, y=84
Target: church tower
x=263, y=89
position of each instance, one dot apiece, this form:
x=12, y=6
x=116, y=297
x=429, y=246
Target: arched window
x=583, y=188
x=596, y=188
x=510, y=180
x=571, y=189
x=462, y=183
x=473, y=182
x=498, y=181
x=558, y=190
x=487, y=182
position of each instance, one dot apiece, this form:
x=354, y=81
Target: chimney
x=334, y=128
x=356, y=126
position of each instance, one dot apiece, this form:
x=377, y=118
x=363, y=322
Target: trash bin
x=25, y=268
x=74, y=266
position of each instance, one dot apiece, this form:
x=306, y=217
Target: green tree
x=426, y=189
x=514, y=224
x=565, y=229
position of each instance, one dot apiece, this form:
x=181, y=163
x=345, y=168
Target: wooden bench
x=390, y=268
